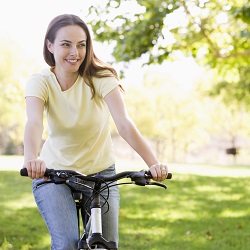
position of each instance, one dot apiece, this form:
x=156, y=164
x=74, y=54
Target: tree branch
x=215, y=49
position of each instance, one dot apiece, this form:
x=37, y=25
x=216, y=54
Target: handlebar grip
x=169, y=175
x=24, y=172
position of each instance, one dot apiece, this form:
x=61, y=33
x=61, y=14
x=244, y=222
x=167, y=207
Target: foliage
x=215, y=33
x=195, y=212
x=234, y=92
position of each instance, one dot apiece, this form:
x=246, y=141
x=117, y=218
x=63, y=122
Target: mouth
x=72, y=61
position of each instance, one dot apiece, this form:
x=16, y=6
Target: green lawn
x=196, y=212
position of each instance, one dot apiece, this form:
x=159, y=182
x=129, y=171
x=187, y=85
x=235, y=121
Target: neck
x=65, y=80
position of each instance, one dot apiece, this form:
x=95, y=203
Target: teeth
x=72, y=61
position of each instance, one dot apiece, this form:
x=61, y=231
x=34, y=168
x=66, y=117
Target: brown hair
x=92, y=66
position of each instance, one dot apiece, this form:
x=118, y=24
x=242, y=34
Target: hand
x=159, y=171
x=36, y=168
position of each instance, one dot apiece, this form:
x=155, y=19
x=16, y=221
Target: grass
x=196, y=212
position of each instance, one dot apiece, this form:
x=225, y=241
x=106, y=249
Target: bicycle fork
x=94, y=237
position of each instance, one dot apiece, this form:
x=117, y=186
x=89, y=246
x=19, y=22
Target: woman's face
x=69, y=48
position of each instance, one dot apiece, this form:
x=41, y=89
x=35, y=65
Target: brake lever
x=156, y=184
x=142, y=179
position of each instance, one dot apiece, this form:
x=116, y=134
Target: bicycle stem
x=96, y=215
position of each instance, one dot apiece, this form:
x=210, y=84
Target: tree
x=215, y=33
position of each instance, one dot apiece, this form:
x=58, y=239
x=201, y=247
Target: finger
x=160, y=172
x=33, y=169
x=164, y=172
x=154, y=171
x=29, y=168
x=38, y=170
x=43, y=168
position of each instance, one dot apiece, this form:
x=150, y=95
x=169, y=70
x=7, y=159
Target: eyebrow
x=71, y=42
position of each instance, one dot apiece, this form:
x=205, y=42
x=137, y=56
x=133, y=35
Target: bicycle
x=92, y=237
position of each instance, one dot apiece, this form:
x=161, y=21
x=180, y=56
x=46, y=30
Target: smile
x=72, y=61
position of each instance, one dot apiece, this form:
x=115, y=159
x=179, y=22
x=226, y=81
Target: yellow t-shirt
x=78, y=126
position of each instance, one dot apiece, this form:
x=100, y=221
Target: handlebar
x=137, y=177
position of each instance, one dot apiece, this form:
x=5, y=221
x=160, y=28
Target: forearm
x=32, y=140
x=134, y=138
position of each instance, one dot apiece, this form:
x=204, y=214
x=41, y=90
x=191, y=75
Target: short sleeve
x=36, y=86
x=105, y=85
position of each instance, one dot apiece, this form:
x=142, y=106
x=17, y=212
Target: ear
x=49, y=46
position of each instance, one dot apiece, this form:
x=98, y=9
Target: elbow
x=126, y=128
x=33, y=125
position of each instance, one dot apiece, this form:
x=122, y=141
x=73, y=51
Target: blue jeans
x=58, y=209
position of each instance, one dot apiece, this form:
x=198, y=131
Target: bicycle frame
x=93, y=236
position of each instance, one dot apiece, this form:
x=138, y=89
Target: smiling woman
x=78, y=93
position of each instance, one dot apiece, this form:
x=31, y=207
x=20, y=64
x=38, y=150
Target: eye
x=65, y=45
x=82, y=45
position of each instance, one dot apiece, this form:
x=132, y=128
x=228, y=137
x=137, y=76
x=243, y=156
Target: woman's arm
x=33, y=137
x=129, y=132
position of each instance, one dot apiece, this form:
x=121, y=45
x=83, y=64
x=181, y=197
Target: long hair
x=92, y=66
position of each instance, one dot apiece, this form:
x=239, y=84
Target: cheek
x=59, y=53
x=58, y=56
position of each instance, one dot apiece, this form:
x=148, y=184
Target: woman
x=78, y=93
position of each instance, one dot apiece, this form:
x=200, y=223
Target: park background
x=185, y=68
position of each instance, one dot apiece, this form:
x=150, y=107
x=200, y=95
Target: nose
x=73, y=50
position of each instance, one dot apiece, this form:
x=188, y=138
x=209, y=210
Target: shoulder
x=37, y=84
x=42, y=76
x=104, y=85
